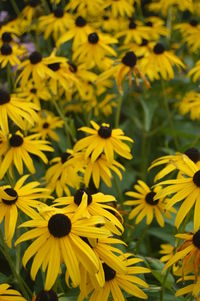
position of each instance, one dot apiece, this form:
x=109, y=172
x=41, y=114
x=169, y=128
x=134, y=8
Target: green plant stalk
x=10, y=78
x=15, y=7
x=141, y=239
x=163, y=285
x=118, y=111
x=169, y=116
x=67, y=128
x=23, y=287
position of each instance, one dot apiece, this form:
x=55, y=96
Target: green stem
x=117, y=188
x=144, y=155
x=163, y=285
x=119, y=105
x=10, y=77
x=23, y=287
x=62, y=116
x=169, y=116
x=15, y=7
x=141, y=239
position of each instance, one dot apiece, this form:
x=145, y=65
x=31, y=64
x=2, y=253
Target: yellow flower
x=115, y=281
x=58, y=239
x=36, y=67
x=57, y=175
x=17, y=109
x=10, y=54
x=94, y=50
x=164, y=5
x=195, y=72
x=159, y=63
x=17, y=149
x=78, y=31
x=156, y=28
x=186, y=189
x=47, y=124
x=188, y=252
x=56, y=23
x=8, y=294
x=25, y=197
x=135, y=31
x=167, y=251
x=97, y=204
x=146, y=204
x=121, y=8
x=190, y=104
x=86, y=7
x=103, y=138
x=30, y=10
x=193, y=288
x=190, y=32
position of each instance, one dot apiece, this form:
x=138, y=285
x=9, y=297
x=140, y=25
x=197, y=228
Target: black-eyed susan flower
x=45, y=295
x=121, y=8
x=156, y=27
x=163, y=6
x=146, y=204
x=33, y=93
x=86, y=7
x=103, y=139
x=8, y=294
x=36, y=67
x=63, y=173
x=167, y=252
x=193, y=288
x=95, y=49
x=188, y=252
x=185, y=189
x=190, y=32
x=78, y=31
x=47, y=124
x=195, y=72
x=97, y=204
x=134, y=32
x=159, y=63
x=127, y=66
x=18, y=149
x=57, y=240
x=172, y=162
x=17, y=109
x=10, y=54
x=190, y=104
x=115, y=281
x=25, y=197
x=56, y=23
x=30, y=11
x=101, y=168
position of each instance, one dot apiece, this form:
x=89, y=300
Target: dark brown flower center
x=196, y=239
x=132, y=25
x=129, y=59
x=144, y=42
x=193, y=154
x=35, y=57
x=64, y=157
x=54, y=66
x=105, y=131
x=150, y=198
x=149, y=23
x=6, y=49
x=33, y=90
x=108, y=272
x=34, y=3
x=4, y=97
x=16, y=140
x=6, y=37
x=58, y=13
x=13, y=193
x=73, y=68
x=78, y=197
x=45, y=125
x=59, y=225
x=46, y=296
x=196, y=178
x=193, y=22
x=80, y=21
x=158, y=48
x=93, y=38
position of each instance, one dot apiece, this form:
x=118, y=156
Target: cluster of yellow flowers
x=68, y=65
